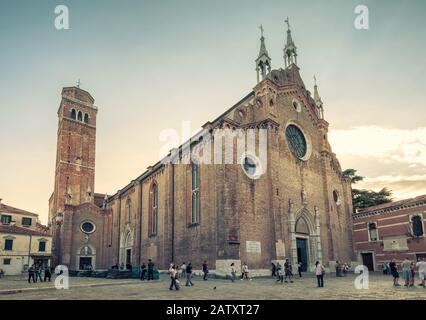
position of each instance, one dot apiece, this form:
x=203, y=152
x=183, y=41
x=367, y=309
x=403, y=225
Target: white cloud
x=406, y=146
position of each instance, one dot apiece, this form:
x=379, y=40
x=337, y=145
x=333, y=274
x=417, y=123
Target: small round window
x=251, y=166
x=88, y=227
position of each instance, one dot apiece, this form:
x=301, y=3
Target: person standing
x=173, y=275
x=288, y=271
x=233, y=272
x=413, y=273
x=280, y=275
x=205, y=270
x=338, y=269
x=421, y=268
x=345, y=269
x=406, y=271
x=319, y=272
x=31, y=272
x=394, y=272
x=188, y=273
x=299, y=268
x=38, y=273
x=47, y=274
x=150, y=270
x=143, y=271
x=274, y=270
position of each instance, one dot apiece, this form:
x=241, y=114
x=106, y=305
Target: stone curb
x=21, y=290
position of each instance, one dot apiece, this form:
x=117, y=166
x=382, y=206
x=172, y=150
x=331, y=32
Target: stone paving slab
x=380, y=288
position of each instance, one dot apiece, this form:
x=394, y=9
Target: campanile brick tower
x=75, y=162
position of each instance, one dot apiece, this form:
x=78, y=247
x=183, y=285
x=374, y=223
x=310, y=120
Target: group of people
x=285, y=274
x=342, y=269
x=408, y=271
x=147, y=270
x=35, y=272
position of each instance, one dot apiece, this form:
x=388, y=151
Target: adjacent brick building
x=204, y=202
x=391, y=231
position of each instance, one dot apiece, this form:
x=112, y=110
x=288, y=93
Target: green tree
x=366, y=198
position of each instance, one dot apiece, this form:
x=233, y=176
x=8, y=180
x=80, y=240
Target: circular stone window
x=88, y=227
x=251, y=166
x=296, y=105
x=296, y=141
x=336, y=197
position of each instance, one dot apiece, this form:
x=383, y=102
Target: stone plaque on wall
x=280, y=248
x=395, y=243
x=253, y=246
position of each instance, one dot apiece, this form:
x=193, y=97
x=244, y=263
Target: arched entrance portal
x=305, y=238
x=86, y=258
x=126, y=249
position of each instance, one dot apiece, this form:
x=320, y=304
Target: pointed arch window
x=372, y=231
x=417, y=225
x=153, y=210
x=195, y=193
x=73, y=114
x=80, y=116
x=86, y=118
x=128, y=209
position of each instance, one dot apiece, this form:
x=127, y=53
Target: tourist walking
x=421, y=268
x=246, y=272
x=31, y=272
x=413, y=273
x=143, y=271
x=280, y=275
x=205, y=270
x=299, y=269
x=394, y=273
x=319, y=272
x=183, y=270
x=173, y=275
x=233, y=271
x=288, y=271
x=150, y=270
x=406, y=271
x=274, y=270
x=188, y=273
x=279, y=269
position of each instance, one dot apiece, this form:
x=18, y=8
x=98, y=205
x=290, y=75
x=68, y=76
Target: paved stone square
x=259, y=288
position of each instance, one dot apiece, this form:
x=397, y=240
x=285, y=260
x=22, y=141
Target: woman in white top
x=172, y=273
x=233, y=271
x=319, y=272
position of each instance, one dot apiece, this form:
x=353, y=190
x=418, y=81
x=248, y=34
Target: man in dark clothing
x=288, y=271
x=31, y=272
x=189, y=275
x=150, y=270
x=394, y=273
x=299, y=269
x=205, y=270
x=143, y=271
x=47, y=274
x=274, y=270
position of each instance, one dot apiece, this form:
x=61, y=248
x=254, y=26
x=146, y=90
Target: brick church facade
x=291, y=202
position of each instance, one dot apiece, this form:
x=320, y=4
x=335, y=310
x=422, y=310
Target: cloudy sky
x=152, y=64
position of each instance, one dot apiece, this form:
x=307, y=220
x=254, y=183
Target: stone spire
x=318, y=101
x=290, y=49
x=263, y=61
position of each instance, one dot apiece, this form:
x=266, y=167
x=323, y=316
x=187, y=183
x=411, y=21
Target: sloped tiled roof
x=21, y=230
x=9, y=209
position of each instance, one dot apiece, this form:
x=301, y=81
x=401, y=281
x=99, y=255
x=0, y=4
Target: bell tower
x=75, y=155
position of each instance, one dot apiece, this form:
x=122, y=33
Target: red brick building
x=390, y=231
